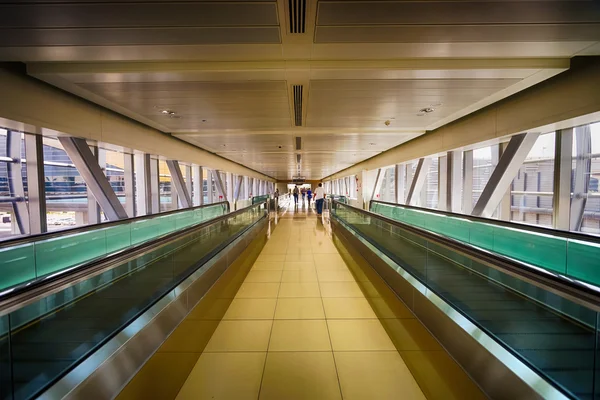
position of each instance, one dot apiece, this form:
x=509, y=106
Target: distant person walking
x=319, y=199
x=296, y=192
x=309, y=195
x=303, y=191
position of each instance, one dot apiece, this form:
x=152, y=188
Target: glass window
x=387, y=191
x=431, y=184
x=591, y=149
x=532, y=189
x=167, y=202
x=11, y=193
x=485, y=160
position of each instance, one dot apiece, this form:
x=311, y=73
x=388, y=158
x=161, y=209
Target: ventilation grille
x=298, y=143
x=297, y=10
x=298, y=158
x=298, y=105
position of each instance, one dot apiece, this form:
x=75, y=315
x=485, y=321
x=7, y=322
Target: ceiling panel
x=456, y=12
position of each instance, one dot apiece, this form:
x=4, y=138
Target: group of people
x=307, y=193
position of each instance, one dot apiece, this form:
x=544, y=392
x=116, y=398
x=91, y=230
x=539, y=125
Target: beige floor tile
x=340, y=289
x=300, y=257
x=299, y=308
x=240, y=336
x=348, y=308
x=268, y=266
x=274, y=249
x=375, y=375
x=439, y=377
x=225, y=376
x=271, y=257
x=358, y=335
x=190, y=336
x=329, y=258
x=251, y=309
x=299, y=265
x=302, y=289
x=324, y=249
x=335, y=276
x=161, y=377
x=300, y=376
x=258, y=291
x=211, y=310
x=410, y=334
x=263, y=276
x=300, y=335
x=390, y=309
x=299, y=276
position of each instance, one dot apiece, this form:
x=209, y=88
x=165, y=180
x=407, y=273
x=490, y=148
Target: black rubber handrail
x=577, y=291
x=24, y=239
x=509, y=224
x=23, y=294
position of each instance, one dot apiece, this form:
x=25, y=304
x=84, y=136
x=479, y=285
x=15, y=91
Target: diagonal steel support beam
x=219, y=183
x=508, y=166
x=238, y=187
x=376, y=185
x=581, y=178
x=418, y=182
x=36, y=187
x=80, y=154
x=179, y=183
x=15, y=181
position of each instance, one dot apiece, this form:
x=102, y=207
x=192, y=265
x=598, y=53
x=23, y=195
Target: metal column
x=80, y=154
x=15, y=181
x=563, y=165
x=94, y=208
x=129, y=177
x=443, y=180
x=400, y=177
x=36, y=188
x=209, y=186
x=418, y=182
x=143, y=195
x=467, y=181
x=454, y=182
x=511, y=160
x=238, y=187
x=179, y=183
x=583, y=167
x=197, y=185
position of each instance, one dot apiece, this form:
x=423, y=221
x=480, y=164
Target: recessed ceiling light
x=164, y=111
x=426, y=110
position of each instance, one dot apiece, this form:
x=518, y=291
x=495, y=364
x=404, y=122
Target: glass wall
x=12, y=193
x=586, y=151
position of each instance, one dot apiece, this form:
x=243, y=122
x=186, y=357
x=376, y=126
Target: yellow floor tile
x=340, y=289
x=300, y=335
x=324, y=249
x=191, y=336
x=358, y=335
x=335, y=276
x=274, y=249
x=161, y=377
x=215, y=310
x=271, y=257
x=375, y=375
x=300, y=376
x=224, y=376
x=439, y=377
x=251, y=309
x=308, y=257
x=299, y=276
x=392, y=309
x=302, y=289
x=348, y=308
x=299, y=308
x=258, y=291
x=329, y=259
x=263, y=276
x=240, y=336
x=268, y=266
x=299, y=265
x=410, y=334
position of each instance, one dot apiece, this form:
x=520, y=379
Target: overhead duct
x=298, y=158
x=298, y=143
x=297, y=15
x=297, y=90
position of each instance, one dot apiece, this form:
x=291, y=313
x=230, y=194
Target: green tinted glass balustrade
x=260, y=199
x=579, y=259
x=20, y=263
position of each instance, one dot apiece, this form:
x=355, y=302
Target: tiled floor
x=300, y=328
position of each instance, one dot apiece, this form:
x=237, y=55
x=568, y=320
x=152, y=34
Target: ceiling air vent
x=297, y=9
x=298, y=158
x=298, y=143
x=298, y=104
